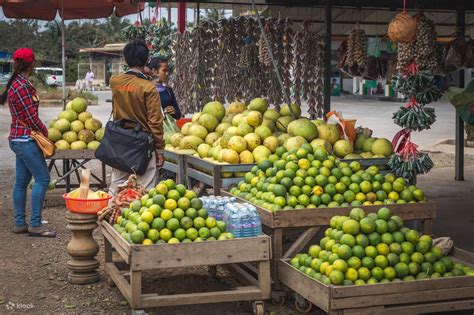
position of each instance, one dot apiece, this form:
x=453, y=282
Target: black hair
x=18, y=67
x=155, y=62
x=136, y=53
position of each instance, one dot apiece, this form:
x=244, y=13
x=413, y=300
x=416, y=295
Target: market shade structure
x=68, y=10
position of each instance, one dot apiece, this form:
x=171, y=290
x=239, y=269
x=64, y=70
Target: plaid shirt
x=24, y=104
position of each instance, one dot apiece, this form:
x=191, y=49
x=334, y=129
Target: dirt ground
x=33, y=272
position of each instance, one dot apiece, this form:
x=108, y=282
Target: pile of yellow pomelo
x=310, y=178
x=171, y=214
x=250, y=133
x=75, y=128
x=375, y=248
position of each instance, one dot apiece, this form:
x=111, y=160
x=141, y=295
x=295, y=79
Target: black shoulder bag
x=126, y=146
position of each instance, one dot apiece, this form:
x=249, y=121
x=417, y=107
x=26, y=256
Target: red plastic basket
x=182, y=121
x=87, y=206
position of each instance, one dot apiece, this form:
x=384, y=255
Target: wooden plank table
x=72, y=159
x=413, y=297
x=310, y=221
x=174, y=163
x=135, y=259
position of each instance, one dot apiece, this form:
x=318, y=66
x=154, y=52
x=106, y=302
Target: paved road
x=369, y=113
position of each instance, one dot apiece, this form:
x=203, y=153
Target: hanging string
x=404, y=6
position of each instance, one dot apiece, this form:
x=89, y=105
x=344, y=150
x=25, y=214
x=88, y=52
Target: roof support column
x=182, y=16
x=459, y=129
x=327, y=58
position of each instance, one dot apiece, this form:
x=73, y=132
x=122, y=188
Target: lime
x=389, y=273
x=448, y=263
x=336, y=277
x=381, y=226
x=314, y=250
x=354, y=262
x=351, y=226
x=414, y=268
x=382, y=249
x=203, y=213
x=204, y=232
x=363, y=273
x=348, y=239
x=412, y=236
x=395, y=248
x=186, y=223
x=340, y=265
x=344, y=251
x=137, y=236
x=367, y=226
x=358, y=251
x=381, y=261
x=351, y=274
x=374, y=238
x=370, y=251
x=144, y=227
x=387, y=238
x=423, y=247
x=178, y=213
x=377, y=273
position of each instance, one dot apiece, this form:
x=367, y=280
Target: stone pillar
x=82, y=248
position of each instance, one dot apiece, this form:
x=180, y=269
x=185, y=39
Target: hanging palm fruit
x=299, y=49
x=356, y=56
x=408, y=162
x=288, y=61
x=263, y=53
x=414, y=116
x=425, y=51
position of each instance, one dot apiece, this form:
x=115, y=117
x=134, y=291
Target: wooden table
x=72, y=159
x=134, y=259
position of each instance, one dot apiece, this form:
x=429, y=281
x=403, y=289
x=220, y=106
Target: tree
x=213, y=14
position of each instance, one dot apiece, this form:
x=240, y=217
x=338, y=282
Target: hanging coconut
x=402, y=28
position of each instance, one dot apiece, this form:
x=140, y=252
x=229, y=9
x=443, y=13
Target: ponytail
x=18, y=67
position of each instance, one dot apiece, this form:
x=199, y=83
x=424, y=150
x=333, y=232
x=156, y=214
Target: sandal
x=20, y=229
x=41, y=231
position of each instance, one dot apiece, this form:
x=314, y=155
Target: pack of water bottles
x=215, y=205
x=242, y=219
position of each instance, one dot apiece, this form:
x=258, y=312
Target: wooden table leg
x=277, y=253
x=264, y=283
x=107, y=251
x=427, y=227
x=136, y=289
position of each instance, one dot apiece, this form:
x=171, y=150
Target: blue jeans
x=29, y=162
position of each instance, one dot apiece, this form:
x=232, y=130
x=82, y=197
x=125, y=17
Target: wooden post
x=181, y=16
x=459, y=129
x=327, y=59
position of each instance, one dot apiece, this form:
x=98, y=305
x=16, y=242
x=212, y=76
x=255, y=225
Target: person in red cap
x=23, y=103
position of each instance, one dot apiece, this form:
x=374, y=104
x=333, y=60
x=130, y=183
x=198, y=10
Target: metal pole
x=63, y=54
x=274, y=62
x=181, y=16
x=327, y=59
x=459, y=158
x=198, y=13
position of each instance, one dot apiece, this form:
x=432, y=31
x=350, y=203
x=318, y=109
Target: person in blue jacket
x=158, y=69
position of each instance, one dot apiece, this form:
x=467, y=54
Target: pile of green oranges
x=366, y=249
x=310, y=178
x=171, y=214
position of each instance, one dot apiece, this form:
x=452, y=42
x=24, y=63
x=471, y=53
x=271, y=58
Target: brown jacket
x=137, y=99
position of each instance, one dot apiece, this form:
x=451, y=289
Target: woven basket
x=402, y=28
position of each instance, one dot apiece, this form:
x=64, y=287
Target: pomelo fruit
x=211, y=138
x=51, y=122
x=93, y=145
x=230, y=156
x=294, y=143
x=263, y=132
x=271, y=143
x=285, y=110
x=195, y=117
x=185, y=128
x=236, y=108
x=190, y=142
x=254, y=118
x=283, y=122
x=258, y=104
x=77, y=126
x=86, y=136
x=253, y=141
x=84, y=116
x=78, y=145
x=69, y=115
x=282, y=138
x=261, y=153
x=79, y=104
x=342, y=148
x=246, y=157
x=271, y=114
x=208, y=121
x=224, y=142
x=54, y=134
x=303, y=127
x=203, y=150
x=175, y=139
x=62, y=145
x=382, y=146
x=328, y=132
x=233, y=131
x=244, y=129
x=222, y=127
x=62, y=125
x=238, y=119
x=215, y=109
x=359, y=142
x=70, y=136
x=93, y=124
x=197, y=131
x=367, y=146
x=321, y=143
x=269, y=123
x=237, y=143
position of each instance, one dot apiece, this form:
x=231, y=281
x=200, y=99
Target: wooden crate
x=136, y=259
x=414, y=297
x=211, y=173
x=310, y=221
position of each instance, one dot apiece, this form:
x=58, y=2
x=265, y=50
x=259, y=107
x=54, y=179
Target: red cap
x=25, y=54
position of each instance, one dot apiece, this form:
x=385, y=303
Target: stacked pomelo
x=310, y=178
x=75, y=128
x=375, y=248
x=171, y=214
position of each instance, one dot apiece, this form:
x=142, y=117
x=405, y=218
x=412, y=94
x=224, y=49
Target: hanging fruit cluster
x=424, y=46
x=356, y=58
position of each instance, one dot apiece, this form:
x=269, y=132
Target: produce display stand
x=364, y=163
x=75, y=160
x=211, y=173
x=174, y=163
x=411, y=297
x=135, y=259
x=276, y=223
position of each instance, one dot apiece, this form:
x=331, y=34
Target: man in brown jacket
x=134, y=97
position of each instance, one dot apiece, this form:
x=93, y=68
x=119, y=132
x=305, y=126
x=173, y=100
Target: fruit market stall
x=351, y=271
x=168, y=227
x=76, y=135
